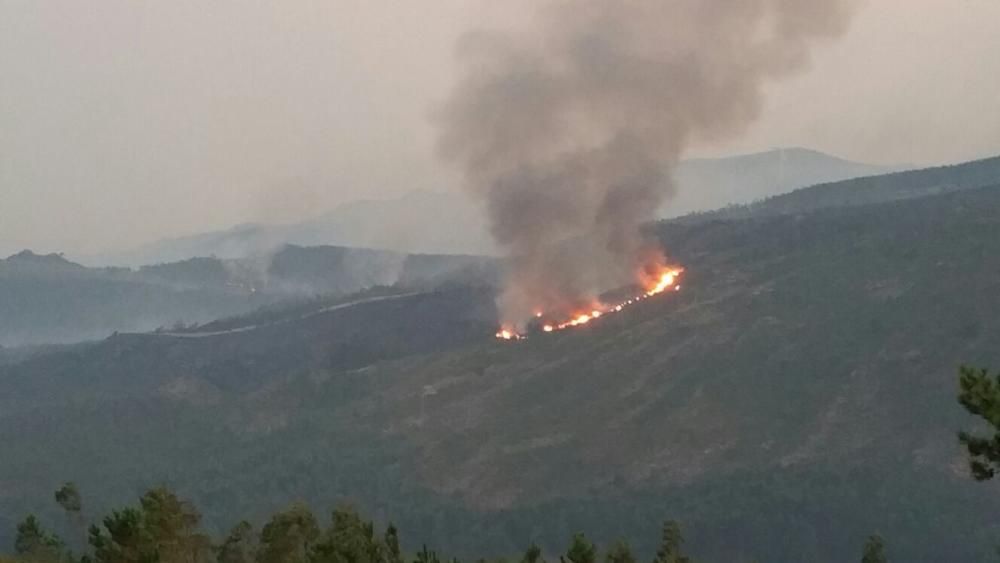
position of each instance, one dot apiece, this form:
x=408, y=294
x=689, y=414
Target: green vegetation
x=68, y=497
x=35, y=544
x=980, y=395
x=670, y=545
x=163, y=528
x=874, y=551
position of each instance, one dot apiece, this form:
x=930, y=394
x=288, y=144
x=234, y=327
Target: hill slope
x=795, y=396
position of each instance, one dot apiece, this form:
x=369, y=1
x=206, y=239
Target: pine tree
x=163, y=529
x=426, y=556
x=172, y=524
x=580, y=551
x=68, y=497
x=620, y=552
x=533, y=555
x=240, y=545
x=874, y=551
x=670, y=545
x=349, y=540
x=979, y=393
x=124, y=539
x=391, y=540
x=34, y=543
x=288, y=537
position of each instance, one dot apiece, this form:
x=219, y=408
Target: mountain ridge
x=47, y=299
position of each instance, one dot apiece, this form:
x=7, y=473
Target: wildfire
x=509, y=335
x=665, y=281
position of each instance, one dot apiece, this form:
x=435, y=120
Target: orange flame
x=664, y=283
x=665, y=280
x=506, y=334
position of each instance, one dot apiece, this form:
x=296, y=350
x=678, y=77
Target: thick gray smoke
x=569, y=130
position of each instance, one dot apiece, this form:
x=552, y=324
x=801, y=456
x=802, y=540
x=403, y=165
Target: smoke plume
x=568, y=130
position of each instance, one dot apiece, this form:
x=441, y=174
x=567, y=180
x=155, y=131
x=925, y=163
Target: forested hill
x=48, y=299
x=796, y=396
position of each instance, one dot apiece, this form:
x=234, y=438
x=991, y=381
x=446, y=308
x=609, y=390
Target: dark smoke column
x=568, y=131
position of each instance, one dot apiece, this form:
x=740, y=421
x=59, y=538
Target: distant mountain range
x=714, y=183
x=796, y=396
x=421, y=222
x=450, y=223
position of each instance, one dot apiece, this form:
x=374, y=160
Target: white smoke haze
x=568, y=129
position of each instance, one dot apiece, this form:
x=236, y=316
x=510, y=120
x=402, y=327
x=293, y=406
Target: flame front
x=507, y=334
x=666, y=280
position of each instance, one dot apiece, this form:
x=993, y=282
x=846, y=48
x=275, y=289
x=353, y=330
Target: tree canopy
x=979, y=393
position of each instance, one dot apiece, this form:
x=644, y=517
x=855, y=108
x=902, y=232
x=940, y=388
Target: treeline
x=163, y=528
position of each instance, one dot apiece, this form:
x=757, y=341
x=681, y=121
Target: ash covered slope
x=795, y=396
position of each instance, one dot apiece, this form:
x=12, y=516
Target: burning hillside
x=664, y=280
x=569, y=127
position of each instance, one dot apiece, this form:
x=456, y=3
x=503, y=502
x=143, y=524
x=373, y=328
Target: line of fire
x=667, y=280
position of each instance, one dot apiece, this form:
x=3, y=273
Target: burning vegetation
x=568, y=128
x=666, y=279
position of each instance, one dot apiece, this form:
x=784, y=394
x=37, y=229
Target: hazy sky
x=125, y=121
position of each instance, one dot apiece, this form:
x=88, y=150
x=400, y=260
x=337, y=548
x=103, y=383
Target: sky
x=123, y=122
